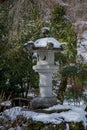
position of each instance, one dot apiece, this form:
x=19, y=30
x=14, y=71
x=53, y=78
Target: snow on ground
x=6, y=103
x=82, y=47
x=58, y=107
x=75, y=114
x=42, y=117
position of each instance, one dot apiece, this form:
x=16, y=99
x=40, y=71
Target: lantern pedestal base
x=43, y=102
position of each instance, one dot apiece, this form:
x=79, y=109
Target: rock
x=40, y=102
x=20, y=102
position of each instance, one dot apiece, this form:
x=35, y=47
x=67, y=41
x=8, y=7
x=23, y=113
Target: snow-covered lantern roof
x=46, y=43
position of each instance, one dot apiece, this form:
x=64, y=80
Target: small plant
x=76, y=76
x=2, y=97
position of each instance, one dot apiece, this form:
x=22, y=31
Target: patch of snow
x=7, y=82
x=75, y=114
x=1, y=127
x=45, y=28
x=84, y=55
x=45, y=118
x=16, y=128
x=84, y=35
x=80, y=22
x=34, y=55
x=19, y=128
x=11, y=128
x=58, y=107
x=29, y=42
x=13, y=112
x=43, y=42
x=72, y=103
x=84, y=42
x=61, y=2
x=67, y=126
x=85, y=92
x=30, y=95
x=75, y=111
x=71, y=116
x=48, y=118
x=6, y=103
x=82, y=50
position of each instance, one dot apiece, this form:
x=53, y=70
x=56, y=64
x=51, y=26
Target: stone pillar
x=45, y=84
x=45, y=79
x=45, y=67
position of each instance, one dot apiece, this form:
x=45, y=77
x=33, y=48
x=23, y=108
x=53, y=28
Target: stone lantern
x=45, y=49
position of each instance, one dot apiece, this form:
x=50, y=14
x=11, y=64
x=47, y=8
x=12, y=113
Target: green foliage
x=73, y=97
x=76, y=76
x=16, y=73
x=32, y=24
x=3, y=29
x=61, y=58
x=57, y=14
x=3, y=20
x=75, y=70
x=77, y=73
x=82, y=72
x=69, y=71
x=16, y=70
x=64, y=31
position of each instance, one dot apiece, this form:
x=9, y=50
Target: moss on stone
x=36, y=126
x=41, y=126
x=61, y=126
x=76, y=126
